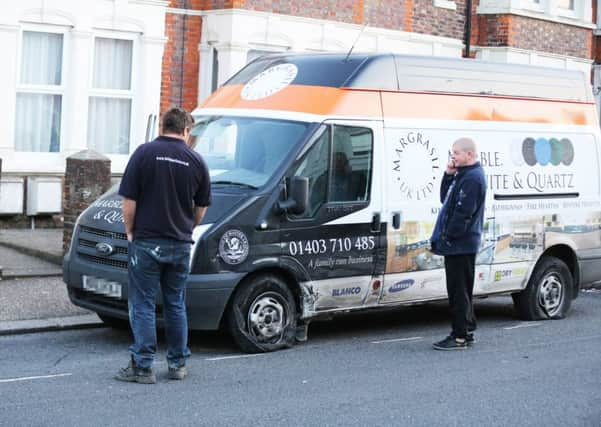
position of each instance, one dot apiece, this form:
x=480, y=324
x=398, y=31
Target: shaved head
x=464, y=152
x=465, y=145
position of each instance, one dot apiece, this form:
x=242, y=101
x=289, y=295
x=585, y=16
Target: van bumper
x=207, y=295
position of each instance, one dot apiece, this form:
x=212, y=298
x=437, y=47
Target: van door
x=414, y=162
x=336, y=238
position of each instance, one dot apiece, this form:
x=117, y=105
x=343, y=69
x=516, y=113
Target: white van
x=325, y=175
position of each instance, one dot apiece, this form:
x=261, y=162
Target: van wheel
x=549, y=291
x=262, y=316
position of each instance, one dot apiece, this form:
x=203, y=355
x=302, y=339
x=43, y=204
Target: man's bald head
x=464, y=152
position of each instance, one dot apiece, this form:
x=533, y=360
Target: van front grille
x=104, y=261
x=104, y=233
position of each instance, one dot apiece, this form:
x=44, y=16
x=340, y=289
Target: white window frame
x=535, y=6
x=548, y=10
x=44, y=89
x=116, y=93
x=574, y=12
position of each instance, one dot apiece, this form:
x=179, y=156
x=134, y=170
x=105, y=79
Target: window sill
x=529, y=13
x=445, y=4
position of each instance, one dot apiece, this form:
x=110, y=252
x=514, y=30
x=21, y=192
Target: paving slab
x=46, y=244
x=35, y=298
x=17, y=264
x=54, y=324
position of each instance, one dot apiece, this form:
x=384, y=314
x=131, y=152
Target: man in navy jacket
x=457, y=235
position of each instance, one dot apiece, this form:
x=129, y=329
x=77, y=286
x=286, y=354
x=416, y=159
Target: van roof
x=411, y=73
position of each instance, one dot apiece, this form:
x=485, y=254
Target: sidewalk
x=33, y=297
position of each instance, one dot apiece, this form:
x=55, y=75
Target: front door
x=336, y=238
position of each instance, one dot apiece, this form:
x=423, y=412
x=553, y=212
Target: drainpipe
x=468, y=28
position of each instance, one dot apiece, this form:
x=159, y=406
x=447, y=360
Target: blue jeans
x=155, y=263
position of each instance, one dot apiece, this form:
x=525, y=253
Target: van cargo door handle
x=396, y=220
x=375, y=222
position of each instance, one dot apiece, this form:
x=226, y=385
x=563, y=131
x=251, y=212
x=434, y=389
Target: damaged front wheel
x=262, y=316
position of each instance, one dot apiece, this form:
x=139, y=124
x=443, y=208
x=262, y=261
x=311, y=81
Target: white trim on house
x=547, y=10
x=522, y=56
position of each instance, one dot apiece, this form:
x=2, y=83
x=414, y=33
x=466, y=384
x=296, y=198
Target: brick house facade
x=208, y=41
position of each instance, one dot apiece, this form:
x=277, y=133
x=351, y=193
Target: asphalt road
x=376, y=370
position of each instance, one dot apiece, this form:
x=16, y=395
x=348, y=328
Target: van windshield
x=244, y=151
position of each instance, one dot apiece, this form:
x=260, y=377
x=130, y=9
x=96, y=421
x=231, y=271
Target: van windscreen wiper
x=238, y=184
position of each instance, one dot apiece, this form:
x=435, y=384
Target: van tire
x=262, y=315
x=548, y=294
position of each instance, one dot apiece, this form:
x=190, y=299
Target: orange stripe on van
x=486, y=108
x=306, y=99
x=375, y=104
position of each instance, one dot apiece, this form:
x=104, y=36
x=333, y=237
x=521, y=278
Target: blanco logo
x=270, y=81
x=233, y=247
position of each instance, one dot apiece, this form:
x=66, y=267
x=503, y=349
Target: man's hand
x=451, y=168
x=129, y=214
x=199, y=213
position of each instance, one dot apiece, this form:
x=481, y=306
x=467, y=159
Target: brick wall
x=181, y=60
x=534, y=34
x=436, y=21
x=179, y=83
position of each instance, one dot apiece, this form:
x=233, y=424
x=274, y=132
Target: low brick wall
x=87, y=177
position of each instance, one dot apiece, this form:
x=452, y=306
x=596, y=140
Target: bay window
x=110, y=103
x=39, y=93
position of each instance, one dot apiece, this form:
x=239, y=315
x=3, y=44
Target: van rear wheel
x=262, y=316
x=549, y=291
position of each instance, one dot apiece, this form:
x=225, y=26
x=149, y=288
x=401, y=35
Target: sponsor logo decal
x=233, y=247
x=506, y=274
x=346, y=291
x=502, y=274
x=268, y=82
x=104, y=249
x=401, y=286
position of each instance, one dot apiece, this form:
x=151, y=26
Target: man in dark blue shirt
x=166, y=191
x=457, y=235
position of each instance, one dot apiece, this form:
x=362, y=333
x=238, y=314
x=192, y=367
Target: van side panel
x=542, y=190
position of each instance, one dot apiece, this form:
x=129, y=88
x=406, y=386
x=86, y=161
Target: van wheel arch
x=568, y=256
x=273, y=290
x=549, y=292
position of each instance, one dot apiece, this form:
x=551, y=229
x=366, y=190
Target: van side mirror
x=298, y=196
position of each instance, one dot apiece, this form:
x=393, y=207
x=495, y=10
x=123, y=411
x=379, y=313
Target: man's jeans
x=155, y=263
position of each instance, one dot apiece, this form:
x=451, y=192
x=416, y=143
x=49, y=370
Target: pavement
x=33, y=296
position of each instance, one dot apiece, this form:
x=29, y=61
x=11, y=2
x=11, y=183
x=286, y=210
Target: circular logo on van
x=268, y=82
x=416, y=166
x=233, y=247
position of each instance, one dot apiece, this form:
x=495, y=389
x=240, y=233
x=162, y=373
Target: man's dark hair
x=176, y=119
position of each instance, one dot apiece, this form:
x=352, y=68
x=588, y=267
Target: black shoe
x=135, y=374
x=177, y=373
x=450, y=343
x=469, y=338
